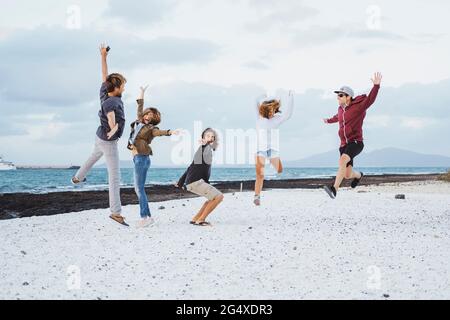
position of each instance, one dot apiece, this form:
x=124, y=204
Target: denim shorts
x=270, y=154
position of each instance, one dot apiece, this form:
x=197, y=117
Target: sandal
x=192, y=222
x=119, y=219
x=203, y=224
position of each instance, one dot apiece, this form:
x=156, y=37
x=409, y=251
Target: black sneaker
x=355, y=182
x=331, y=191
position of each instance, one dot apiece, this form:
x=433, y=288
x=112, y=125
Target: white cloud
x=140, y=12
x=416, y=123
x=65, y=69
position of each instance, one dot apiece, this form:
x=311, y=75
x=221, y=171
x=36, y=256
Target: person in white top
x=269, y=118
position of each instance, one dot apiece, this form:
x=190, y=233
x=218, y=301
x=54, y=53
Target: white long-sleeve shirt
x=267, y=129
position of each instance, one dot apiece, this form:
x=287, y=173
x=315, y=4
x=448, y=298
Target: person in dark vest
x=196, y=178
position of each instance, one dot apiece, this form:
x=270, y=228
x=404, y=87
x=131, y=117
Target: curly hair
x=156, y=118
x=268, y=108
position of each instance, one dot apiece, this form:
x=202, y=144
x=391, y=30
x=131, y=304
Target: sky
x=208, y=60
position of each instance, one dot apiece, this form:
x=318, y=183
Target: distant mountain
x=388, y=157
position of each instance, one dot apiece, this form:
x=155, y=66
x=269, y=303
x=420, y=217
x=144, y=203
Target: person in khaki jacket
x=143, y=131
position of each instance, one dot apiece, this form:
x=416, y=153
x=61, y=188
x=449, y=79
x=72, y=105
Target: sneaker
x=75, y=180
x=355, y=181
x=331, y=191
x=144, y=223
x=257, y=200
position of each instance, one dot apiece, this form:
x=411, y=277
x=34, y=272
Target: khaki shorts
x=203, y=189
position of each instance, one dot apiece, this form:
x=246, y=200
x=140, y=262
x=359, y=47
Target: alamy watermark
x=73, y=17
x=235, y=146
x=73, y=278
x=374, y=278
x=374, y=17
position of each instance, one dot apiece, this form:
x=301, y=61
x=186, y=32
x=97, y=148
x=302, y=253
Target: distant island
x=49, y=167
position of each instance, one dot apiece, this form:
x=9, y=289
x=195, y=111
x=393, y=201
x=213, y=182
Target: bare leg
x=341, y=171
x=260, y=163
x=276, y=163
x=351, y=174
x=210, y=207
x=200, y=213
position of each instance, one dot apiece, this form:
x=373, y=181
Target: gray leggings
x=110, y=150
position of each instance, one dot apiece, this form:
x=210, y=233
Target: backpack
x=136, y=127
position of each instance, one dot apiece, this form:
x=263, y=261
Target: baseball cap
x=346, y=90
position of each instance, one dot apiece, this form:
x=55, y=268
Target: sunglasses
x=341, y=95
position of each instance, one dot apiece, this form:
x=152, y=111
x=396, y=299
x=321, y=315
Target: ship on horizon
x=5, y=165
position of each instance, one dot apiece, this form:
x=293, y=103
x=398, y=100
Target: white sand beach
x=298, y=245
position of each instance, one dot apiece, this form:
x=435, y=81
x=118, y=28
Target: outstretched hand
x=103, y=49
x=325, y=121
x=377, y=78
x=144, y=88
x=177, y=132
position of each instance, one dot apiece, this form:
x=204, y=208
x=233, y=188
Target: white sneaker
x=257, y=200
x=144, y=223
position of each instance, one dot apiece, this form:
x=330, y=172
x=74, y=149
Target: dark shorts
x=352, y=149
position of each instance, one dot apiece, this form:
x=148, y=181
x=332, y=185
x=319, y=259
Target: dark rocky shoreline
x=20, y=205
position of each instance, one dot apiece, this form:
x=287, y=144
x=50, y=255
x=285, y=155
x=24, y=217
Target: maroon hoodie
x=351, y=117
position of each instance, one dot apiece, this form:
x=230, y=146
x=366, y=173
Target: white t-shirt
x=267, y=129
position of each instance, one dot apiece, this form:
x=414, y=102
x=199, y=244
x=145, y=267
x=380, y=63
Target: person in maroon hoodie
x=351, y=114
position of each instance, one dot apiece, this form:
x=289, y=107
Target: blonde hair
x=268, y=108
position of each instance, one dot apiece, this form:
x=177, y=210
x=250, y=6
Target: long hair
x=268, y=108
x=215, y=144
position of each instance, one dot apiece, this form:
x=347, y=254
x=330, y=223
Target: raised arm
x=287, y=113
x=258, y=104
x=374, y=92
x=140, y=102
x=104, y=54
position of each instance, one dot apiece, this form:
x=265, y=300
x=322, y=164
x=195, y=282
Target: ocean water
x=56, y=180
